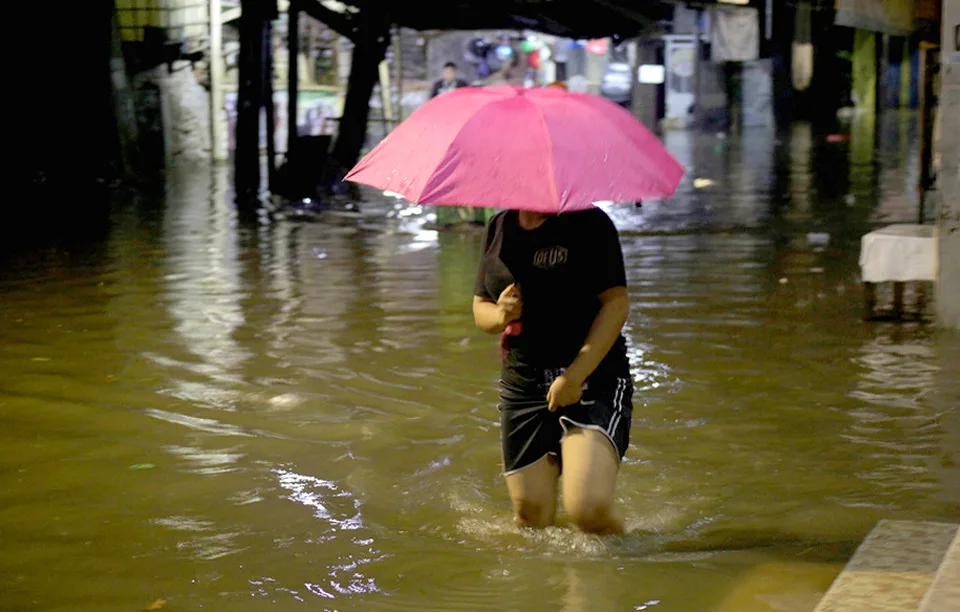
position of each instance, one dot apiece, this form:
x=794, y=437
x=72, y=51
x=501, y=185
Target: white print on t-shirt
x=550, y=257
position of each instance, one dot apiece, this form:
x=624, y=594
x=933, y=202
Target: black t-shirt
x=561, y=268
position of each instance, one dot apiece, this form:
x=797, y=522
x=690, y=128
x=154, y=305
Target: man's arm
x=568, y=388
x=614, y=309
x=493, y=317
x=488, y=316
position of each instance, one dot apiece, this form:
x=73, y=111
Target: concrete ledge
x=892, y=569
x=944, y=593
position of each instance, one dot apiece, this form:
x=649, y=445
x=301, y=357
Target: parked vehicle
x=617, y=83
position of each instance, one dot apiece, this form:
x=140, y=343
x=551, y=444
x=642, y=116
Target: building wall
x=948, y=218
x=181, y=19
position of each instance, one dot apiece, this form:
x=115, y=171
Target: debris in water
x=142, y=466
x=837, y=138
x=818, y=239
x=700, y=183
x=159, y=604
x=783, y=281
x=285, y=400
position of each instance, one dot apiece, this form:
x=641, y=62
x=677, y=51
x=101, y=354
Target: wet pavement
x=295, y=413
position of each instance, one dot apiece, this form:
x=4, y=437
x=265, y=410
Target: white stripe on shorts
x=618, y=396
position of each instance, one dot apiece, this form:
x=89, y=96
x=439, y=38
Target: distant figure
x=449, y=82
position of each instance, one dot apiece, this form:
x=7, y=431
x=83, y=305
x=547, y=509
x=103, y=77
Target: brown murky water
x=300, y=415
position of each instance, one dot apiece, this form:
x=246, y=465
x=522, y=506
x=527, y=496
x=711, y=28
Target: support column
x=646, y=96
x=882, y=59
x=293, y=72
x=698, y=113
x=386, y=97
x=948, y=217
x=218, y=149
x=268, y=106
x=784, y=24
x=865, y=70
x=249, y=102
x=903, y=98
x=928, y=104
x=398, y=65
x=370, y=47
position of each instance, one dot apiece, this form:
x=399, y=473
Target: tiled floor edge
x=892, y=569
x=944, y=593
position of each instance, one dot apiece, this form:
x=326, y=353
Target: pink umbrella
x=545, y=150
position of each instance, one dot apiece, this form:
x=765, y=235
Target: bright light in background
x=339, y=7
x=651, y=74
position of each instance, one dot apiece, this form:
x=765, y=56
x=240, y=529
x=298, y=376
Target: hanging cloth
x=735, y=34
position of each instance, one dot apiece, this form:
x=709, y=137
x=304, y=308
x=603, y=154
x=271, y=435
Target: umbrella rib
x=431, y=184
x=552, y=168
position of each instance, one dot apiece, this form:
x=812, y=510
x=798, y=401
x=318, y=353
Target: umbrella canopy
x=544, y=149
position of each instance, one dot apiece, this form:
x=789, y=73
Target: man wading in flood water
x=551, y=280
x=555, y=287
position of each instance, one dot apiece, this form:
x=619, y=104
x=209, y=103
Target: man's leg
x=533, y=491
x=590, y=467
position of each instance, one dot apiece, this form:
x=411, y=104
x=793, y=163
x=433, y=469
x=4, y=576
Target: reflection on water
x=309, y=413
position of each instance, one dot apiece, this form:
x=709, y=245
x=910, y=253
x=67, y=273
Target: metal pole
x=218, y=150
x=249, y=104
x=293, y=72
x=927, y=102
x=268, y=106
x=697, y=68
x=386, y=95
x=398, y=60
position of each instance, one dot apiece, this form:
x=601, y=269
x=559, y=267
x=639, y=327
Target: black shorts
x=529, y=431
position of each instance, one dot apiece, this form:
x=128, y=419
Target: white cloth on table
x=899, y=253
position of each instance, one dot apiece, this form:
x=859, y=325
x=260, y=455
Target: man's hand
x=510, y=305
x=564, y=392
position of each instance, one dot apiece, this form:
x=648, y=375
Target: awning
x=567, y=18
x=887, y=16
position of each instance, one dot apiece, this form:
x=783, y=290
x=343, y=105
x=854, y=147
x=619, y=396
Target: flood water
x=300, y=415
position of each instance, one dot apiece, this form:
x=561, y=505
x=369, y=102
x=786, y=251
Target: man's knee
x=594, y=516
x=531, y=515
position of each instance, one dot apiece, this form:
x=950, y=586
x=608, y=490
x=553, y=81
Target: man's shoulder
x=496, y=221
x=593, y=216
x=495, y=225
